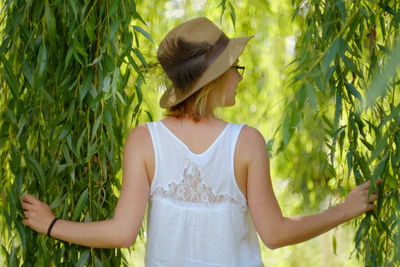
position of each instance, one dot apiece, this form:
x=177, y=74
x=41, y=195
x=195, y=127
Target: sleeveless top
x=197, y=215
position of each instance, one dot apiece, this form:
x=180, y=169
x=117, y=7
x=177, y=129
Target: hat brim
x=224, y=61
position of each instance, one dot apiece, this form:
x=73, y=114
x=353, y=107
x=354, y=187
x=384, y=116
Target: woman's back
x=197, y=213
x=198, y=137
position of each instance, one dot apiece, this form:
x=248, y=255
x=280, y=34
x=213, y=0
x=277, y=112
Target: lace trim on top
x=192, y=189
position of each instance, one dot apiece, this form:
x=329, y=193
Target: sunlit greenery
x=321, y=83
x=65, y=109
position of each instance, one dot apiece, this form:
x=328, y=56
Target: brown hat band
x=216, y=49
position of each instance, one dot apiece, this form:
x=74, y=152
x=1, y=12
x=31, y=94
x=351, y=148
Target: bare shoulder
x=251, y=140
x=139, y=139
x=139, y=149
x=251, y=134
x=139, y=131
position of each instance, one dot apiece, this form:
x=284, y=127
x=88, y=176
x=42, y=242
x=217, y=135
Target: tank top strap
x=234, y=132
x=154, y=130
x=234, y=136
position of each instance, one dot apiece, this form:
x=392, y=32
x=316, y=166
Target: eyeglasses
x=239, y=69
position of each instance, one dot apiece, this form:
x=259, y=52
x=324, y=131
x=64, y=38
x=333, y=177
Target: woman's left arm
x=302, y=228
x=276, y=230
x=122, y=229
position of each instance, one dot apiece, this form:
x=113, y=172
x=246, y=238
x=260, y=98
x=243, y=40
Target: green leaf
x=74, y=8
x=362, y=163
x=83, y=258
x=143, y=32
x=287, y=135
x=349, y=158
x=57, y=201
x=387, y=230
x=92, y=149
x=135, y=65
x=66, y=155
x=232, y=14
x=140, y=57
x=90, y=28
x=82, y=202
x=42, y=59
x=87, y=84
x=97, y=262
x=51, y=25
x=70, y=53
x=65, y=131
x=136, y=15
x=381, y=143
x=13, y=260
x=96, y=126
x=367, y=145
x=71, y=145
x=312, y=96
x=290, y=122
x=301, y=96
x=334, y=244
x=22, y=234
x=338, y=109
x=331, y=53
x=21, y=124
x=377, y=173
x=10, y=77
x=384, y=49
x=44, y=252
x=379, y=84
x=47, y=96
x=351, y=65
x=11, y=116
x=4, y=252
x=79, y=143
x=222, y=5
x=350, y=87
x=37, y=169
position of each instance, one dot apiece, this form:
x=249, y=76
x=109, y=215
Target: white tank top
x=197, y=214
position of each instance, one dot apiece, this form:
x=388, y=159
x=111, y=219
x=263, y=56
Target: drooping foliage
x=345, y=78
x=70, y=88
x=67, y=99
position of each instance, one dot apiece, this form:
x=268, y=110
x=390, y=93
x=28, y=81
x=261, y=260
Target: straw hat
x=199, y=51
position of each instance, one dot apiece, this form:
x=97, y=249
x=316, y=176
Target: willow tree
x=345, y=78
x=67, y=100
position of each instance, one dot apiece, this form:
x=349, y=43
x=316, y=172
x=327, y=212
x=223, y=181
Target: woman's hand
x=38, y=215
x=357, y=202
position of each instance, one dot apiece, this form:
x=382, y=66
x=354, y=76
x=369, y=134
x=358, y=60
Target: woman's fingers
x=28, y=214
x=365, y=185
x=30, y=199
x=368, y=183
x=26, y=206
x=373, y=197
x=360, y=200
x=37, y=214
x=371, y=207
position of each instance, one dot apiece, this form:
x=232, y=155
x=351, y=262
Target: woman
x=207, y=181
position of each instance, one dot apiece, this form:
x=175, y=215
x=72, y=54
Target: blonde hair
x=202, y=103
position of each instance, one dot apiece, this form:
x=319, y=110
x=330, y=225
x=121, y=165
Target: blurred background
x=320, y=84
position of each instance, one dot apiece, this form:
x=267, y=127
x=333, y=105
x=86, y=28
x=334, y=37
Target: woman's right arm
x=276, y=230
x=122, y=229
